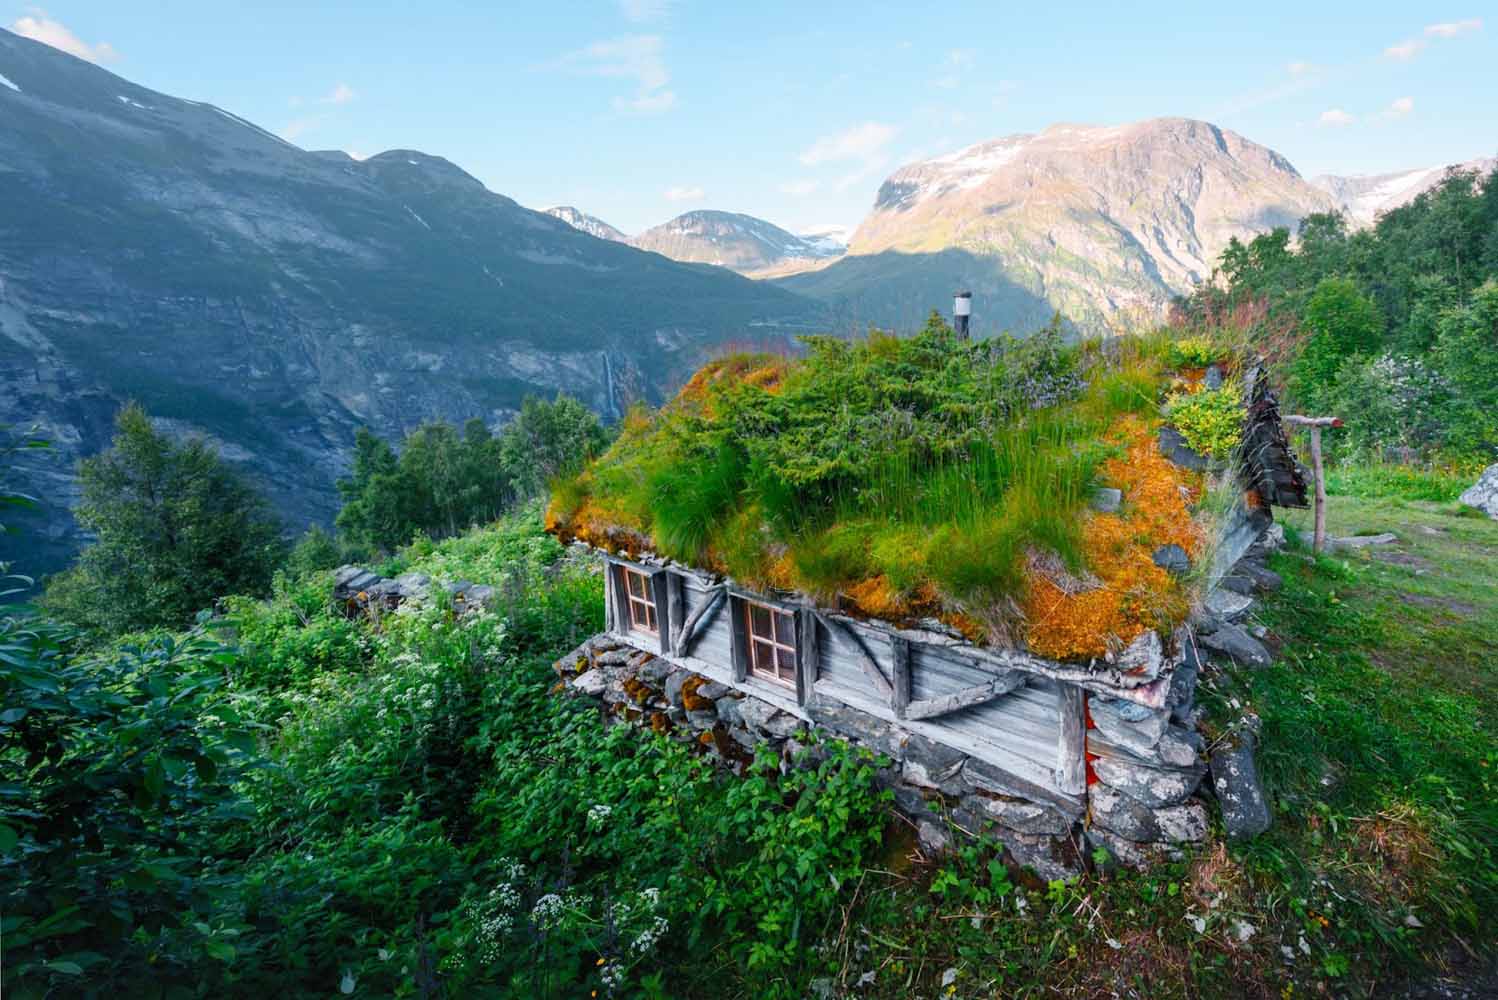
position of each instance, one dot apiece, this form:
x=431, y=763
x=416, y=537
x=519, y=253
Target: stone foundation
x=1139, y=804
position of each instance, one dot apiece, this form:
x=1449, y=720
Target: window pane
x=650, y=615
x=785, y=628
x=785, y=664
x=759, y=621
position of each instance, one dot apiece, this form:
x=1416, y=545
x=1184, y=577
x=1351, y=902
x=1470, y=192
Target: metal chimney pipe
x=962, y=308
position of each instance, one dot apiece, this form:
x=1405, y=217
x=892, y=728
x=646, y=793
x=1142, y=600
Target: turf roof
x=919, y=477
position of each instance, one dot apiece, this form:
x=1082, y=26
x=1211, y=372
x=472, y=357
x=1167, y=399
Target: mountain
x=737, y=242
x=590, y=224
x=831, y=237
x=276, y=299
x=1100, y=223
x=1365, y=197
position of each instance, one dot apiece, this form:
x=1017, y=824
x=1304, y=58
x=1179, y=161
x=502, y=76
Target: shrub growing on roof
x=900, y=477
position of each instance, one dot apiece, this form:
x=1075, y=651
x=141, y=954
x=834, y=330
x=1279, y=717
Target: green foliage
x=174, y=529
x=443, y=482
x=117, y=770
x=1210, y=420
x=1192, y=352
x=548, y=440
x=1397, y=324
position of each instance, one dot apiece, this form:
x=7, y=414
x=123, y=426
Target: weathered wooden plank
x=928, y=708
x=870, y=668
x=690, y=629
x=1071, y=741
x=807, y=655
x=610, y=622
x=738, y=640
x=660, y=588
x=676, y=606
x=900, y=675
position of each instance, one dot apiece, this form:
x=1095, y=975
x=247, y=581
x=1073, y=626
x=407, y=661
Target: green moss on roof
x=909, y=477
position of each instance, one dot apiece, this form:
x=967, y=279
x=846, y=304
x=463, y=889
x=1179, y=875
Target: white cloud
x=1299, y=68
x=645, y=10
x=684, y=193
x=1411, y=47
x=40, y=28
x=629, y=57
x=1450, y=29
x=1405, y=50
x=799, y=188
x=859, y=142
x=341, y=94
x=948, y=82
x=961, y=57
x=1399, y=108
x=1336, y=118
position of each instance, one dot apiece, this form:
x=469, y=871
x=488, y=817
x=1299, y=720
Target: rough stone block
x=1151, y=786
x=590, y=682
x=1236, y=644
x=1172, y=558
x=1235, y=781
x=1019, y=815
x=674, y=681
x=1227, y=606
x=931, y=765
x=1183, y=824
x=1122, y=814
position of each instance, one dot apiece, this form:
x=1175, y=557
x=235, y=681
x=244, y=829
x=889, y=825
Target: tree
x=1343, y=323
x=546, y=440
x=1466, y=354
x=175, y=527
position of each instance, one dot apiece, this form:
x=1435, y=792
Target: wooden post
x=738, y=638
x=676, y=611
x=1071, y=747
x=1315, y=424
x=806, y=656
x=900, y=674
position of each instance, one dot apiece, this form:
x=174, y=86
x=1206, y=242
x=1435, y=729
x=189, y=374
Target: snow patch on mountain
x=5, y=81
x=1364, y=197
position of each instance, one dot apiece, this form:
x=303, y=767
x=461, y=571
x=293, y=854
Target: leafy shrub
x=1211, y=420
x=1192, y=352
x=118, y=771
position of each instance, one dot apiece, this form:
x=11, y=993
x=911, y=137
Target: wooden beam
x=808, y=658
x=659, y=593
x=738, y=639
x=900, y=675
x=978, y=694
x=1071, y=747
x=864, y=659
x=675, y=608
x=609, y=573
x=687, y=635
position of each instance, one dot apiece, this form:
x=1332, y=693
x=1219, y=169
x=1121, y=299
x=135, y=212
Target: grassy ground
x=1378, y=877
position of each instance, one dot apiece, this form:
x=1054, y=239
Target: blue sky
x=636, y=110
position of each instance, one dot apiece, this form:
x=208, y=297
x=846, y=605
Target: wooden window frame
x=641, y=613
x=761, y=647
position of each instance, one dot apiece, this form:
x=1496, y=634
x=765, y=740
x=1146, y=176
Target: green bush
x=1211, y=420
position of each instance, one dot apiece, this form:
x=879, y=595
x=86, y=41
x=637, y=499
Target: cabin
x=1009, y=624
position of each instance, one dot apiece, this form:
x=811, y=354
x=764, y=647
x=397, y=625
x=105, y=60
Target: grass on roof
x=914, y=477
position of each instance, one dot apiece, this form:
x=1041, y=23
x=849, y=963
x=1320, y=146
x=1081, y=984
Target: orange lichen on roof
x=763, y=370
x=1136, y=595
